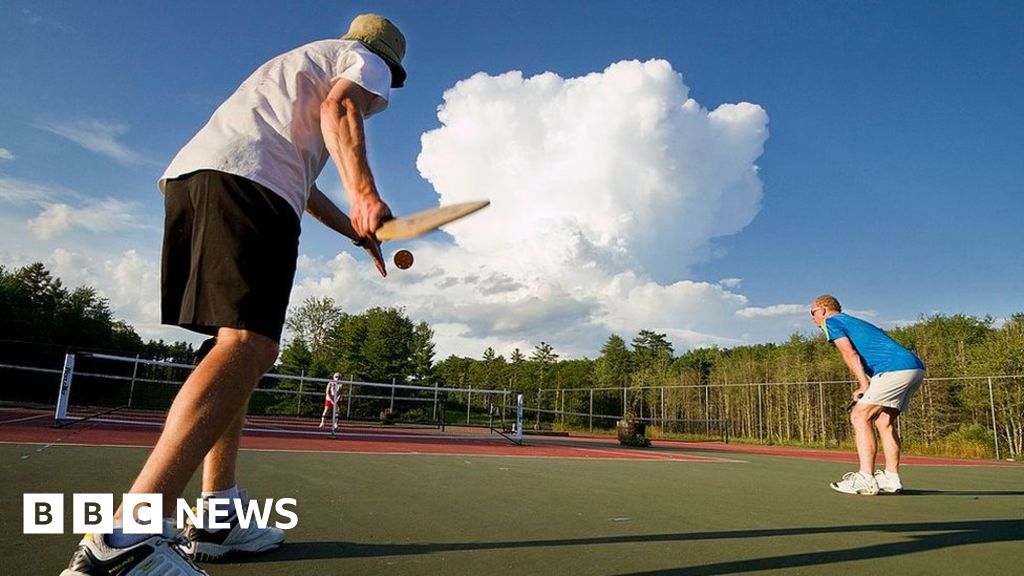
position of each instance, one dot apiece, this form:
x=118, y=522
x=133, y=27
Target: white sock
x=118, y=539
x=230, y=494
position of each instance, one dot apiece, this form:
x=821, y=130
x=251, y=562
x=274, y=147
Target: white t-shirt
x=269, y=130
x=334, y=391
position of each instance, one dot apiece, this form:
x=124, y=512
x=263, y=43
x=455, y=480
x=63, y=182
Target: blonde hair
x=827, y=301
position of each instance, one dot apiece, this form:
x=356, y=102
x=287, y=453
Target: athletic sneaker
x=856, y=483
x=228, y=543
x=158, y=555
x=888, y=482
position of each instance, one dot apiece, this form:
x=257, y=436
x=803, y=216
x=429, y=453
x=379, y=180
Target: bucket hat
x=383, y=39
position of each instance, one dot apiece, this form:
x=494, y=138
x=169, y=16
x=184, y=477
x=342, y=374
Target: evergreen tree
x=423, y=354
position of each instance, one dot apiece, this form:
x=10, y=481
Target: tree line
x=774, y=392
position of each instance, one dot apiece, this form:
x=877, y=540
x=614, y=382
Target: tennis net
x=130, y=390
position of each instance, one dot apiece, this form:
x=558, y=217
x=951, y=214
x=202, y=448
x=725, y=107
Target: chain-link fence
x=981, y=417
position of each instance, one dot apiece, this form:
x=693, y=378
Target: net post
x=64, y=391
x=135, y=373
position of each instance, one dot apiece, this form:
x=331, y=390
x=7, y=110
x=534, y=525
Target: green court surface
x=406, y=514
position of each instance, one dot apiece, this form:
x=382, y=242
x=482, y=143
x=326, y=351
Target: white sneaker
x=888, y=482
x=856, y=483
x=230, y=543
x=158, y=554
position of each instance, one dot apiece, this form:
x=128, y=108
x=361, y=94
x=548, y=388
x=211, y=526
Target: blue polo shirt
x=878, y=352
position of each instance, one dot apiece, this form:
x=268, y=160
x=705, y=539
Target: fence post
x=821, y=412
x=536, y=426
x=992, y=407
x=707, y=410
x=663, y=419
x=469, y=401
x=760, y=416
x=302, y=375
x=435, y=401
x=591, y=409
x=351, y=395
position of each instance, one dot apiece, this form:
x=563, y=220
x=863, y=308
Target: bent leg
x=891, y=445
x=219, y=463
x=205, y=412
x=863, y=418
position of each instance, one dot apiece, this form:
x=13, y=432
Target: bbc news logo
x=143, y=513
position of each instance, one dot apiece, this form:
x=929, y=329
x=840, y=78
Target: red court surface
x=28, y=426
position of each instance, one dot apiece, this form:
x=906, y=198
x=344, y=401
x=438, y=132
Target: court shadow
x=963, y=493
x=917, y=537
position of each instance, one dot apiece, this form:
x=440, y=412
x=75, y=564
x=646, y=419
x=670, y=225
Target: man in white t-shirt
x=233, y=198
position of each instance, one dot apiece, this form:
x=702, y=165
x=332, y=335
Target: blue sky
x=868, y=149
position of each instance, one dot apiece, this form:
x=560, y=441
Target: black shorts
x=229, y=254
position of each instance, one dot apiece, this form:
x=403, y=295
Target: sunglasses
x=815, y=310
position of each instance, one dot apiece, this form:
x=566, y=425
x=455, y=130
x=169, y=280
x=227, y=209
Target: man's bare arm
x=852, y=360
x=341, y=122
x=328, y=213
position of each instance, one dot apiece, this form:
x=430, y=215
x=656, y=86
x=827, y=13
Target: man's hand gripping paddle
x=413, y=225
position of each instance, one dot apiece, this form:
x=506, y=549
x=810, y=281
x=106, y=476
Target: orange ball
x=403, y=259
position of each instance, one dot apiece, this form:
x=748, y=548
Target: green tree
x=313, y=323
x=423, y=354
x=651, y=349
x=614, y=365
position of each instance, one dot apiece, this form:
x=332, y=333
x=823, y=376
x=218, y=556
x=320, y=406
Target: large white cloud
x=605, y=190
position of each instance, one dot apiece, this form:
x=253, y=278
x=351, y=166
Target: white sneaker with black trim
x=856, y=483
x=158, y=555
x=888, y=482
x=230, y=543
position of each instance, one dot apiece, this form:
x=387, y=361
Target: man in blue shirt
x=888, y=375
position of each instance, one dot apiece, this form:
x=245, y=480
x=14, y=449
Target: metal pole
x=537, y=425
x=519, y=419
x=65, y=389
x=591, y=409
x=992, y=406
x=135, y=372
x=434, y=417
x=469, y=401
x=707, y=410
x=302, y=374
x=821, y=411
x=391, y=408
x=663, y=419
x=760, y=416
x=348, y=405
x=561, y=394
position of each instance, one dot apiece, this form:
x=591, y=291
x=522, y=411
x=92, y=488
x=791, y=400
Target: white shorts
x=893, y=389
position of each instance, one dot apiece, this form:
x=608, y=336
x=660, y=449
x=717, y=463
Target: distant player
x=332, y=397
x=888, y=375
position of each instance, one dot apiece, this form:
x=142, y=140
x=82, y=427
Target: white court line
x=26, y=419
